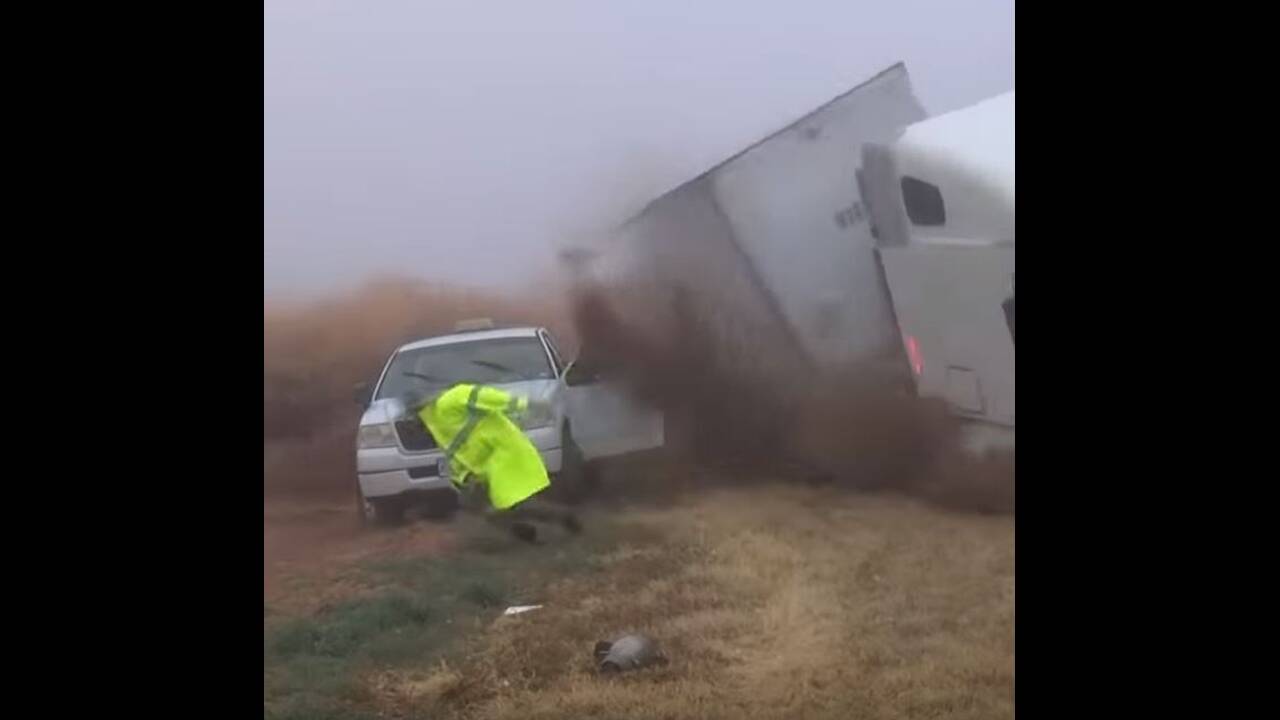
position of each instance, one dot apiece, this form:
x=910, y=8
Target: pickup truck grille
x=413, y=436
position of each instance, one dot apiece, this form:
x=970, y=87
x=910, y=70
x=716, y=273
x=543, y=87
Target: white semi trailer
x=863, y=232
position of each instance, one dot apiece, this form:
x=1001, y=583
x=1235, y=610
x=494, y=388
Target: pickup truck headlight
x=537, y=416
x=377, y=436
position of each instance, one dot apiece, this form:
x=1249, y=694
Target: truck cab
x=941, y=201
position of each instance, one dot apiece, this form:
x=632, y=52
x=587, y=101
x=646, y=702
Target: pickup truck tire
x=388, y=511
x=440, y=504
x=378, y=511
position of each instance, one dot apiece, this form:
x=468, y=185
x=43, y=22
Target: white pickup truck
x=398, y=462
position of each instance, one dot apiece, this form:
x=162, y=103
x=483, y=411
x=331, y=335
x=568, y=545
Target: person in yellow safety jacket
x=488, y=453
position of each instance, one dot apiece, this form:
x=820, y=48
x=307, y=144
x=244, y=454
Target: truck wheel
x=364, y=508
x=440, y=504
x=379, y=511
x=388, y=511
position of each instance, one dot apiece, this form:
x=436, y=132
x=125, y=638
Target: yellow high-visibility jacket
x=471, y=424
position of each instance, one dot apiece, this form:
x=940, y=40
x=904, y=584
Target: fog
x=467, y=141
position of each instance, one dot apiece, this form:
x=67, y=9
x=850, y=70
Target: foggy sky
x=469, y=140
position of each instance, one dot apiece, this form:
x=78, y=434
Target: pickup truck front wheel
x=378, y=511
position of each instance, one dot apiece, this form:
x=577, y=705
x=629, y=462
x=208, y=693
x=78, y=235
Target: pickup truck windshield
x=480, y=361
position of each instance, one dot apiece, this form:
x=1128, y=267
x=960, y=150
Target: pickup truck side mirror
x=576, y=375
x=360, y=393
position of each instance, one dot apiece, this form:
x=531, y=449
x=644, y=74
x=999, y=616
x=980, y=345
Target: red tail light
x=914, y=356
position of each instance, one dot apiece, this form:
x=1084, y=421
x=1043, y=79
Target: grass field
x=771, y=600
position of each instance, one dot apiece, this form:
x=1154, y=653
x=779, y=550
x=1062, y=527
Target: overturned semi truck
x=863, y=234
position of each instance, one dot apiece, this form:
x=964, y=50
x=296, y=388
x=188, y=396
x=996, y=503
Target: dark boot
x=571, y=523
x=525, y=531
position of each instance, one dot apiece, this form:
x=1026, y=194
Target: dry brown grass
x=772, y=601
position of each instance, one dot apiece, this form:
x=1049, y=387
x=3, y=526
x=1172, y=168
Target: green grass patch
x=421, y=610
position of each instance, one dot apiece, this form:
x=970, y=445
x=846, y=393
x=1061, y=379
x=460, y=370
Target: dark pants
x=519, y=519
x=531, y=510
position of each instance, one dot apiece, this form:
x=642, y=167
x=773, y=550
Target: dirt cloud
x=858, y=426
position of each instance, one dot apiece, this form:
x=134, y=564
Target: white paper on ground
x=517, y=609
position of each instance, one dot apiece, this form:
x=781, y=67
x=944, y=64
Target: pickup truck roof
x=469, y=335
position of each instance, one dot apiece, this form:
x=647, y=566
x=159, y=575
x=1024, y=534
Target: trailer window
x=923, y=201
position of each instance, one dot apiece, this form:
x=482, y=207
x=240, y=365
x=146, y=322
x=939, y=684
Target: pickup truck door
x=604, y=419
